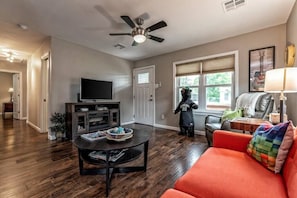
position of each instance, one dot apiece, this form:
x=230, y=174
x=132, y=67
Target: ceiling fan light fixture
x=139, y=35
x=139, y=38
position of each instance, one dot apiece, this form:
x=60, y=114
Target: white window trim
x=236, y=75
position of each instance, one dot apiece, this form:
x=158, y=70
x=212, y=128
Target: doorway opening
x=16, y=92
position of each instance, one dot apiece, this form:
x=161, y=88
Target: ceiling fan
x=139, y=33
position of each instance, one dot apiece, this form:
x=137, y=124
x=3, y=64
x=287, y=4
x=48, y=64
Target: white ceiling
x=89, y=22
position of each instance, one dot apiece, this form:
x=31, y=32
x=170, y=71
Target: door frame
x=21, y=89
x=45, y=110
x=153, y=92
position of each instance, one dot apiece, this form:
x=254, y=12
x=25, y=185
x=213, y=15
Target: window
x=218, y=87
x=143, y=78
x=211, y=82
x=188, y=81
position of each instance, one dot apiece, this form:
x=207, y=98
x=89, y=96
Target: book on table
x=113, y=156
x=94, y=136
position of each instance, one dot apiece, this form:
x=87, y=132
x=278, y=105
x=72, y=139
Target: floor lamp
x=283, y=80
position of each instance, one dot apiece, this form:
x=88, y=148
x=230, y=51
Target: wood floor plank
x=33, y=166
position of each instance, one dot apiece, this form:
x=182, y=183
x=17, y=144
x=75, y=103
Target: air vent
x=232, y=4
x=119, y=46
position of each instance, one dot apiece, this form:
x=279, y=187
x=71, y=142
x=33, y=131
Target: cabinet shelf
x=79, y=122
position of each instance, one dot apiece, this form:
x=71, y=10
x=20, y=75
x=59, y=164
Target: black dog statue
x=186, y=121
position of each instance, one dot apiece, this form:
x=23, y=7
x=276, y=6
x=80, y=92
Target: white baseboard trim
x=33, y=126
x=166, y=127
x=130, y=122
x=51, y=137
x=177, y=129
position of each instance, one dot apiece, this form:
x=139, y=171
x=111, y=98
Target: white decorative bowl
x=119, y=135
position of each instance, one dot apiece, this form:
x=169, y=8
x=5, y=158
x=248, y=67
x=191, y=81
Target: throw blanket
x=247, y=101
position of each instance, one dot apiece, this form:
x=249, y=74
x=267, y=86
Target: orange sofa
x=227, y=171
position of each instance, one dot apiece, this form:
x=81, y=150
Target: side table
x=246, y=124
x=7, y=107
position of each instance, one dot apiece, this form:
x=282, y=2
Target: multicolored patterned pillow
x=284, y=148
x=264, y=145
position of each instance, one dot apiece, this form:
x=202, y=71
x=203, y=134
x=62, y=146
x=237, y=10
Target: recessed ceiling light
x=22, y=26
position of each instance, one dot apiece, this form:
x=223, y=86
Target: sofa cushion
x=265, y=143
x=262, y=102
x=226, y=173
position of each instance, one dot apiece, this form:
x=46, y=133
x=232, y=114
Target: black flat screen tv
x=95, y=89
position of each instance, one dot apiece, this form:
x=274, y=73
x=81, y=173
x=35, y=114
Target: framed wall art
x=260, y=61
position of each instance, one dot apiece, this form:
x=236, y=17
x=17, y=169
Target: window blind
x=224, y=63
x=186, y=69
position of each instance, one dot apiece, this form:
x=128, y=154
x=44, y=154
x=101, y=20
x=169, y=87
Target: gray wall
x=274, y=36
x=34, y=85
x=292, y=39
x=70, y=62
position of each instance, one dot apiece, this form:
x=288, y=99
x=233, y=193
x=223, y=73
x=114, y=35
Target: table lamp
x=282, y=80
x=10, y=90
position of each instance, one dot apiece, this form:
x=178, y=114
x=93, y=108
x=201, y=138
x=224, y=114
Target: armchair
x=262, y=106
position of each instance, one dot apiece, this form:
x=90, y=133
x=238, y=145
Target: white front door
x=16, y=95
x=144, y=95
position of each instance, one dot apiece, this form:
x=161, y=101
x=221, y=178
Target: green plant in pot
x=59, y=125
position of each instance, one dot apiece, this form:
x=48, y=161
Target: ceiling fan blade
x=155, y=38
x=156, y=26
x=129, y=21
x=134, y=43
x=120, y=34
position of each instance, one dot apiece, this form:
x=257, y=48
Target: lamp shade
x=281, y=80
x=10, y=90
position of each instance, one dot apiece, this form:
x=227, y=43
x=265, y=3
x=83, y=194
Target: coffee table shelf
x=129, y=155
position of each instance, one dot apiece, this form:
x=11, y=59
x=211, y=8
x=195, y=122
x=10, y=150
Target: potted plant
x=59, y=125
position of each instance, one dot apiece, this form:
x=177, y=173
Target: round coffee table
x=85, y=147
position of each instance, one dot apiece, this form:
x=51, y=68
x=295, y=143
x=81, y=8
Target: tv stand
x=86, y=117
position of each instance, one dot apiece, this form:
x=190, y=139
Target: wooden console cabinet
x=89, y=117
x=7, y=107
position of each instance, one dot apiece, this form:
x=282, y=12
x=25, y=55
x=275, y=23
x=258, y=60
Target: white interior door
x=44, y=93
x=16, y=96
x=144, y=95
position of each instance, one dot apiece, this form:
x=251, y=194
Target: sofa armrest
x=213, y=119
x=231, y=140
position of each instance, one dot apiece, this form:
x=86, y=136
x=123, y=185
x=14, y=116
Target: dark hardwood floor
x=33, y=166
